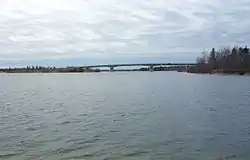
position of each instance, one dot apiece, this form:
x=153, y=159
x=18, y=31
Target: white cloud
x=55, y=29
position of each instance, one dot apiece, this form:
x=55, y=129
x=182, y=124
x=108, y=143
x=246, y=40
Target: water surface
x=125, y=116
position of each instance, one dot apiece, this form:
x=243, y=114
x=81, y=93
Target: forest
x=224, y=60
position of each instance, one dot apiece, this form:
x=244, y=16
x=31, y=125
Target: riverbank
x=228, y=60
x=198, y=70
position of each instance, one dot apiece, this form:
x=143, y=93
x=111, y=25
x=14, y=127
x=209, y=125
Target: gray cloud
x=43, y=29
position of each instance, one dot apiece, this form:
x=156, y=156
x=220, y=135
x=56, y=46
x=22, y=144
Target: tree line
x=225, y=60
x=42, y=69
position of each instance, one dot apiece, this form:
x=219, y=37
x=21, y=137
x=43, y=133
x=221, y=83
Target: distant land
x=228, y=60
x=41, y=69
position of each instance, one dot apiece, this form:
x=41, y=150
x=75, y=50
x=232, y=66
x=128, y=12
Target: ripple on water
x=83, y=141
x=89, y=121
x=72, y=148
x=135, y=153
x=65, y=122
x=7, y=104
x=10, y=155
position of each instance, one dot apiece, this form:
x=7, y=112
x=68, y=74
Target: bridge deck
x=139, y=64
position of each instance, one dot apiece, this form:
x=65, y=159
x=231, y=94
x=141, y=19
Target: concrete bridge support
x=111, y=68
x=151, y=68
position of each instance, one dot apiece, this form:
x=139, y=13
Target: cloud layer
x=33, y=30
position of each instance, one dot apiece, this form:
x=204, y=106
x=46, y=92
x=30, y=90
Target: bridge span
x=150, y=65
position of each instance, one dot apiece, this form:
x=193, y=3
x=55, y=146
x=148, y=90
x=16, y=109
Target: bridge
x=150, y=65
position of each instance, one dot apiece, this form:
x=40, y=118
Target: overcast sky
x=75, y=32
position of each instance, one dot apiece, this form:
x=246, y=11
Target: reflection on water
x=139, y=115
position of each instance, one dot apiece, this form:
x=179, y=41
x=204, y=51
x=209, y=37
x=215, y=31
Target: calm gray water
x=124, y=116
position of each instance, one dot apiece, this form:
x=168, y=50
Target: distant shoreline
x=222, y=74
x=228, y=72
x=214, y=73
x=231, y=61
x=40, y=69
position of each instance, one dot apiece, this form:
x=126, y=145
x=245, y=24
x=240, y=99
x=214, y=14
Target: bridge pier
x=151, y=68
x=111, y=68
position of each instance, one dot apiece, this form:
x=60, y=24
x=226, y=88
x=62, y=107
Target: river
x=124, y=116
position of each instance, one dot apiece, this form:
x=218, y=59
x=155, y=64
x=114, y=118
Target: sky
x=80, y=32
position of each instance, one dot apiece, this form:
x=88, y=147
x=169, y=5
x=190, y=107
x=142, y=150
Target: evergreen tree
x=212, y=59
